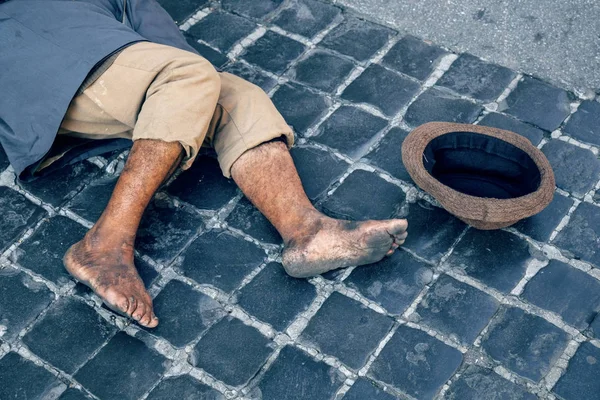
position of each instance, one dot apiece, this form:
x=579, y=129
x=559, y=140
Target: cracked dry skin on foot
x=334, y=244
x=114, y=278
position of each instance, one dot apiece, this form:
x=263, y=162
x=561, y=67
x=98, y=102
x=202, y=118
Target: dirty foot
x=330, y=244
x=112, y=275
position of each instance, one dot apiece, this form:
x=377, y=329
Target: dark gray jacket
x=48, y=47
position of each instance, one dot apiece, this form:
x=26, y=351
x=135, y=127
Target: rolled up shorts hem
x=228, y=157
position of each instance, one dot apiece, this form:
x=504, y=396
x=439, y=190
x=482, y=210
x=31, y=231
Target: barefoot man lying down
x=80, y=76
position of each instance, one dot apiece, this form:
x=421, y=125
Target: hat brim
x=480, y=212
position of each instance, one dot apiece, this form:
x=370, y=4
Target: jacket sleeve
x=152, y=22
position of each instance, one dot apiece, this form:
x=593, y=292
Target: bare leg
x=103, y=260
x=314, y=243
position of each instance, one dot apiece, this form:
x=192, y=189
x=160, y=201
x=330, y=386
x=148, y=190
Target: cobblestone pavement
x=458, y=314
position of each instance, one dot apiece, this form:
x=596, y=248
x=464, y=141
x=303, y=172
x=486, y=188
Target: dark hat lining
x=481, y=165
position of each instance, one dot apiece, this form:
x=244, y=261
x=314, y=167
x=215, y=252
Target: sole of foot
x=114, y=279
x=338, y=244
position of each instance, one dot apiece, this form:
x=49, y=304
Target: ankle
x=109, y=239
x=306, y=223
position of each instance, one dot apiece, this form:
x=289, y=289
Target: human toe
x=397, y=226
x=116, y=301
x=131, y=306
x=139, y=312
x=153, y=322
x=401, y=237
x=149, y=319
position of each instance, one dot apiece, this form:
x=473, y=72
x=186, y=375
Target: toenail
x=132, y=304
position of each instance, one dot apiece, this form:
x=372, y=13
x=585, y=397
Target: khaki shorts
x=152, y=91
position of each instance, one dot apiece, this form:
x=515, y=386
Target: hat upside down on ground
x=489, y=178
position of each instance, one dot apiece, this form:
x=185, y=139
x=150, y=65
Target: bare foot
x=332, y=244
x=111, y=274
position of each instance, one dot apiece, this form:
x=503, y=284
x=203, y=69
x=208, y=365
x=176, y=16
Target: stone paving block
x=58, y=186
x=250, y=74
x=323, y=70
x=91, y=201
x=248, y=219
x=594, y=329
x=436, y=105
x=584, y=125
x=296, y=376
x=387, y=154
x=415, y=363
x=456, y=309
x=215, y=57
x=541, y=226
x=254, y=9
x=273, y=52
x=357, y=38
x=306, y=17
x=383, y=88
x=581, y=379
x=539, y=103
x=471, y=76
x=182, y=9
x=300, y=107
x=4, y=163
x=23, y=380
x=432, y=230
x=348, y=201
x=210, y=259
x=393, y=282
x=414, y=57
x=68, y=334
x=349, y=130
x=535, y=135
x=183, y=388
x=124, y=369
x=166, y=229
x=33, y=297
x=18, y=214
x=479, y=383
x=364, y=389
x=524, y=343
x=275, y=297
x=43, y=251
x=146, y=271
x=346, y=329
x=184, y=313
x=497, y=258
x=203, y=185
x=318, y=169
x=231, y=352
x=576, y=170
x=222, y=30
x=73, y=394
x=581, y=236
x=567, y=291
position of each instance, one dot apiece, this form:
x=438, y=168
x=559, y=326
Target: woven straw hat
x=488, y=177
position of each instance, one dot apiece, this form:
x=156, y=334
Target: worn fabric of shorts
x=152, y=91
